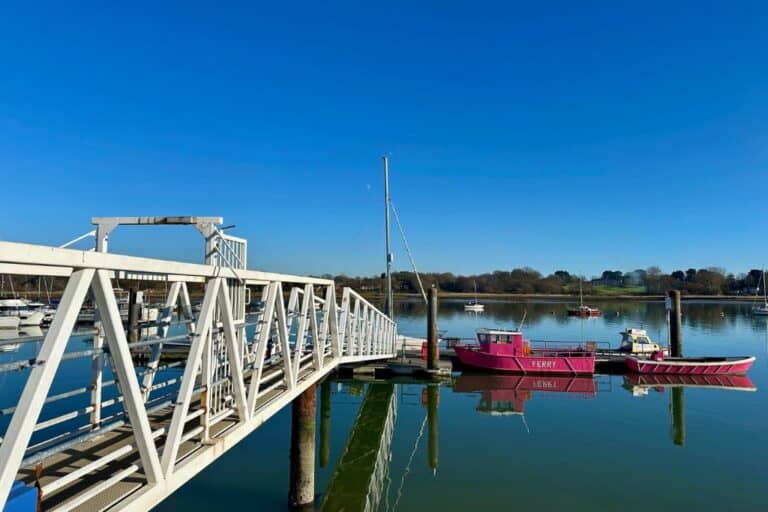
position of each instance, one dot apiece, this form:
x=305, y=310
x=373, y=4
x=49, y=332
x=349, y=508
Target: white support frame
x=351, y=333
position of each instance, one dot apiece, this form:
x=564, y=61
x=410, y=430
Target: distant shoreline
x=565, y=297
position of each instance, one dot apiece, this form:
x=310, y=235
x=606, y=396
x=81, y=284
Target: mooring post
x=301, y=494
x=675, y=325
x=433, y=355
x=433, y=400
x=678, y=416
x=134, y=309
x=325, y=423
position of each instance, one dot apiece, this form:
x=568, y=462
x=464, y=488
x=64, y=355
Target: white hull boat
x=9, y=322
x=31, y=318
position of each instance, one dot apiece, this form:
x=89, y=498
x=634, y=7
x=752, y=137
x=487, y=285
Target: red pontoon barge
x=657, y=363
x=507, y=351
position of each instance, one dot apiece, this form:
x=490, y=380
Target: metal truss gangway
x=118, y=436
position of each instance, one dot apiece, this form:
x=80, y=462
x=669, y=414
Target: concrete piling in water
x=433, y=354
x=301, y=494
x=675, y=325
x=325, y=423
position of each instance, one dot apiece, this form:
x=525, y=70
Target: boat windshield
x=494, y=338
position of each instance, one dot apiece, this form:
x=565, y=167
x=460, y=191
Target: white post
x=194, y=358
x=233, y=352
x=282, y=331
x=260, y=345
x=125, y=373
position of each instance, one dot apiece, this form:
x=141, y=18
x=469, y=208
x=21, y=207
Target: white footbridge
x=116, y=435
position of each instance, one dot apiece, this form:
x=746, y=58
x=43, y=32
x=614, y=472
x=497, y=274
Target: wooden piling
x=301, y=494
x=134, y=313
x=675, y=325
x=433, y=354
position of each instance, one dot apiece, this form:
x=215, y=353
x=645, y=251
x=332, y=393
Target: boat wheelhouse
x=507, y=351
x=637, y=341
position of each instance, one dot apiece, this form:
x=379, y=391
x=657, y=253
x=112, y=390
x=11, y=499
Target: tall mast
x=581, y=294
x=388, y=295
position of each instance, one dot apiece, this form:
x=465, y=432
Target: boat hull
x=692, y=366
x=31, y=318
x=569, y=365
x=9, y=322
x=586, y=313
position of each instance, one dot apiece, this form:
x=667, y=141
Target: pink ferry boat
x=506, y=351
x=657, y=363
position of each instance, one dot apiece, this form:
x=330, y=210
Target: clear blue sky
x=577, y=135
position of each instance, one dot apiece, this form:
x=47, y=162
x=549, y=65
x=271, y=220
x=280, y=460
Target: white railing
x=179, y=416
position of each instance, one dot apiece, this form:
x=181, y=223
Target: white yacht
x=473, y=305
x=19, y=309
x=48, y=311
x=761, y=309
x=9, y=322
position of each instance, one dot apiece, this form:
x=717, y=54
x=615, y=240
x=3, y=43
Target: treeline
x=651, y=281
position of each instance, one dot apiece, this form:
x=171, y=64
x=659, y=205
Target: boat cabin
x=12, y=307
x=503, y=342
x=637, y=341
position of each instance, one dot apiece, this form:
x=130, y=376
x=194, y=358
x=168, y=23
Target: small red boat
x=584, y=311
x=507, y=351
x=657, y=363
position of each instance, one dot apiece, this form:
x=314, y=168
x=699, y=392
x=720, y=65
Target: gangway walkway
x=93, y=458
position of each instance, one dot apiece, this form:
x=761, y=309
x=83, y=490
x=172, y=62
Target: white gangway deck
x=150, y=437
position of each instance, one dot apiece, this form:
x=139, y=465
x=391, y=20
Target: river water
x=482, y=442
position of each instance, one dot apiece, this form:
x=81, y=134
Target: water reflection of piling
x=325, y=423
x=678, y=415
x=301, y=495
x=433, y=399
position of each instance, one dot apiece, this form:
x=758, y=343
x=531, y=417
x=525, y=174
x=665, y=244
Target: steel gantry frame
x=227, y=385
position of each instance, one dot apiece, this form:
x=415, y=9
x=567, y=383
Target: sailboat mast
x=388, y=295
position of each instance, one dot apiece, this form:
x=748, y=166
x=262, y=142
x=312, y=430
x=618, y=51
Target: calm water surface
x=501, y=442
x=588, y=444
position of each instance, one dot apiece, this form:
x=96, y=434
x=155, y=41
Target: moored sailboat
x=473, y=305
x=582, y=310
x=762, y=309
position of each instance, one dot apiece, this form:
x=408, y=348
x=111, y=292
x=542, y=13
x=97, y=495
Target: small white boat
x=9, y=322
x=47, y=310
x=473, y=305
x=762, y=310
x=19, y=308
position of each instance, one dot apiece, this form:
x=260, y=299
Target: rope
x=408, y=250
